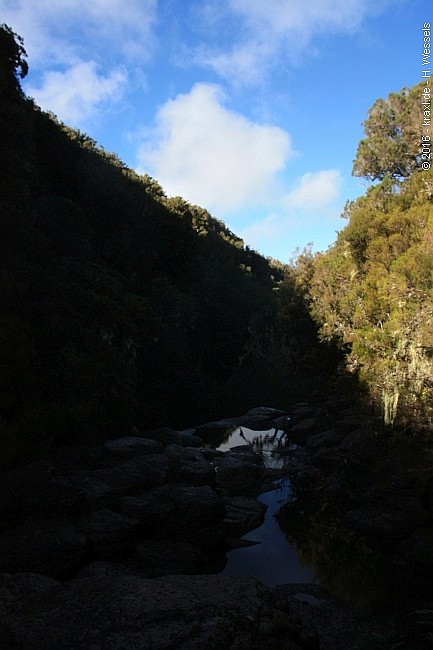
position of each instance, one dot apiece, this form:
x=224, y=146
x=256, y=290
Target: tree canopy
x=393, y=132
x=373, y=290
x=13, y=65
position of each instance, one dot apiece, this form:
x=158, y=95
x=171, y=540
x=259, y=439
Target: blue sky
x=252, y=109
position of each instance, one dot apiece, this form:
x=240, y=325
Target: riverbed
x=271, y=559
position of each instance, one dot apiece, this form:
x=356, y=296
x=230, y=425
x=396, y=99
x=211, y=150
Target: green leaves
x=12, y=61
x=393, y=135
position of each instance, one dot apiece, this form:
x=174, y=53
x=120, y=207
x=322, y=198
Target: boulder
x=114, y=611
x=188, y=465
x=18, y=585
x=266, y=411
x=243, y=514
x=418, y=548
x=109, y=533
x=36, y=489
x=303, y=430
x=328, y=438
x=157, y=558
x=236, y=476
x=137, y=472
x=170, y=437
x=123, y=448
x=282, y=423
x=53, y=548
x=178, y=511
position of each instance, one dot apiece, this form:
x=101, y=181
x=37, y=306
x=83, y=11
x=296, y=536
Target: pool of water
x=313, y=546
x=272, y=559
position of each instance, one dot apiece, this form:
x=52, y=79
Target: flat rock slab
x=115, y=612
x=123, y=448
x=157, y=558
x=170, y=437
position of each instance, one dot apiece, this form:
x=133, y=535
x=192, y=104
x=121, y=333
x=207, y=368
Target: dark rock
x=418, y=548
x=256, y=422
x=36, y=489
x=136, y=473
x=53, y=548
x=69, y=459
x=282, y=423
x=18, y=585
x=210, y=454
x=303, y=430
x=266, y=411
x=300, y=412
x=125, y=611
x=188, y=465
x=164, y=557
x=170, y=437
x=364, y=445
x=92, y=491
x=324, y=439
x=110, y=534
x=328, y=460
x=349, y=423
x=243, y=514
x=124, y=448
x=152, y=510
x=236, y=476
x=198, y=513
x=339, y=487
x=411, y=504
x=178, y=511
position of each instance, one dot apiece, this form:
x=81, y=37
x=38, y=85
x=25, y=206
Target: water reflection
x=272, y=560
x=272, y=444
x=303, y=540
x=346, y=564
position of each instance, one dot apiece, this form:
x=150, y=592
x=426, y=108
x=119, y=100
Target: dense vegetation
x=373, y=289
x=121, y=307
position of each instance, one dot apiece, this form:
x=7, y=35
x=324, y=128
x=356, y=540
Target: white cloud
x=214, y=156
x=276, y=30
x=314, y=190
x=59, y=31
x=75, y=94
x=78, y=50
x=313, y=204
x=267, y=229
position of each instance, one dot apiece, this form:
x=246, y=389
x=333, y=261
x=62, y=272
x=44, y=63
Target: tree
x=393, y=135
x=12, y=62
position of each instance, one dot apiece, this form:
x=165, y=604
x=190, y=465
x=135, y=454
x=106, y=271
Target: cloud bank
x=212, y=155
x=80, y=50
x=276, y=30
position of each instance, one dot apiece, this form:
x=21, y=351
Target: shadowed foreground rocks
x=91, y=538
x=111, y=610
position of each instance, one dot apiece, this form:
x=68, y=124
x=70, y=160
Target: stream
x=272, y=559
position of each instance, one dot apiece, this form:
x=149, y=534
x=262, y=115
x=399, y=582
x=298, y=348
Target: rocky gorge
x=120, y=545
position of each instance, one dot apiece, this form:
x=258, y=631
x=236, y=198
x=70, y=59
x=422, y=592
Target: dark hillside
x=120, y=306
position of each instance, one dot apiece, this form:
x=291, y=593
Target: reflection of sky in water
x=272, y=560
x=266, y=442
